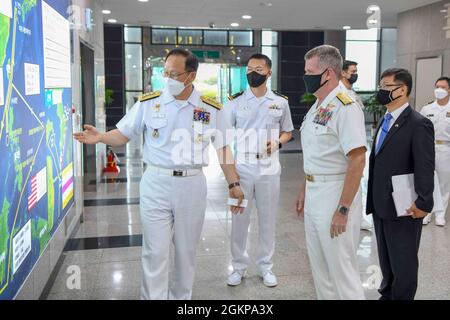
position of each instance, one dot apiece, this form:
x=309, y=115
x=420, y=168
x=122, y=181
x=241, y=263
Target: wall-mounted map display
x=36, y=157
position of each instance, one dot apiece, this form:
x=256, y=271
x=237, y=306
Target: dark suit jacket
x=407, y=148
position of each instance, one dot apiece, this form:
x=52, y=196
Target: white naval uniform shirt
x=354, y=96
x=329, y=132
x=440, y=116
x=180, y=143
x=258, y=120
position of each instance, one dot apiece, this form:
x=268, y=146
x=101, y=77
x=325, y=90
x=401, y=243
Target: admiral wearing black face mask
x=333, y=139
x=404, y=144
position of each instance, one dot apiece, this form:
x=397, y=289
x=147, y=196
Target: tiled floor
x=110, y=266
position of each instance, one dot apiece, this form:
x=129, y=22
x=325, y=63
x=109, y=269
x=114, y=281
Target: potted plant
x=373, y=107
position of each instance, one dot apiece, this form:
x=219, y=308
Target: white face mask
x=174, y=87
x=440, y=93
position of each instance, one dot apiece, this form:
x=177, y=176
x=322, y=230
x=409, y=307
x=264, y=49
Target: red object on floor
x=111, y=165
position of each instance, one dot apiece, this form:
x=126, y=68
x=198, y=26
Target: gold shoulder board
x=344, y=98
x=234, y=96
x=280, y=95
x=149, y=96
x=212, y=102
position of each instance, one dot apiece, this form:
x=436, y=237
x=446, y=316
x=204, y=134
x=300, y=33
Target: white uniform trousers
x=172, y=209
x=443, y=173
x=333, y=261
x=263, y=187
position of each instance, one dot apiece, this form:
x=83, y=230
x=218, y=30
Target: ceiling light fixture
x=246, y=17
x=234, y=24
x=112, y=20
x=346, y=27
x=106, y=11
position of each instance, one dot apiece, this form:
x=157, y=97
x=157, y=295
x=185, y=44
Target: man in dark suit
x=403, y=144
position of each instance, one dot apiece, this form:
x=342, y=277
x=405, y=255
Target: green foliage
x=109, y=96
x=373, y=107
x=308, y=98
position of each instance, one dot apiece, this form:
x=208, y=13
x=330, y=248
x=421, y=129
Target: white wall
x=421, y=35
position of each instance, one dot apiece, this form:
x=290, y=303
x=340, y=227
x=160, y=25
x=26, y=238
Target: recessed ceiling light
x=373, y=7
x=112, y=20
x=346, y=27
x=246, y=17
x=143, y=0
x=266, y=4
x=372, y=21
x=443, y=10
x=234, y=24
x=106, y=11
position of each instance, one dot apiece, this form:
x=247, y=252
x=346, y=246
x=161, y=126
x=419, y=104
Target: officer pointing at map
x=178, y=124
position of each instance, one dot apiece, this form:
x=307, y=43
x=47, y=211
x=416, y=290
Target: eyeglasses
x=172, y=75
x=387, y=86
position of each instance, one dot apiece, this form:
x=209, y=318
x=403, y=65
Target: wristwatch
x=234, y=184
x=342, y=210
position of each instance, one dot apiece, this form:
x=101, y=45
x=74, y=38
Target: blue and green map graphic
x=36, y=164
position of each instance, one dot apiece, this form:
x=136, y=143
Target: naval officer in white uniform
x=263, y=123
x=439, y=113
x=178, y=125
x=349, y=76
x=334, y=146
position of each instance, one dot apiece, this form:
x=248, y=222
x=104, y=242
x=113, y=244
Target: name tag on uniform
x=448, y=115
x=201, y=116
x=323, y=116
x=157, y=115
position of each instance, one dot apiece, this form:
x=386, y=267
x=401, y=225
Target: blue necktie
x=384, y=131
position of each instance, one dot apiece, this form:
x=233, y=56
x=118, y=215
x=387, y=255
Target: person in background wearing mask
x=330, y=199
x=439, y=113
x=349, y=76
x=263, y=124
x=178, y=124
x=403, y=144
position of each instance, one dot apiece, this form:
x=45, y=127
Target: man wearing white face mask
x=178, y=125
x=439, y=113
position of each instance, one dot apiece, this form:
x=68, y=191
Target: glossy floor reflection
x=106, y=247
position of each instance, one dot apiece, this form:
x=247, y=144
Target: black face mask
x=385, y=96
x=353, y=78
x=312, y=82
x=256, y=79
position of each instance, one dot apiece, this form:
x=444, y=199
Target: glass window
x=215, y=37
x=133, y=66
x=241, y=38
x=272, y=53
x=132, y=34
x=190, y=37
x=164, y=36
x=388, y=56
x=363, y=34
x=365, y=53
x=269, y=38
